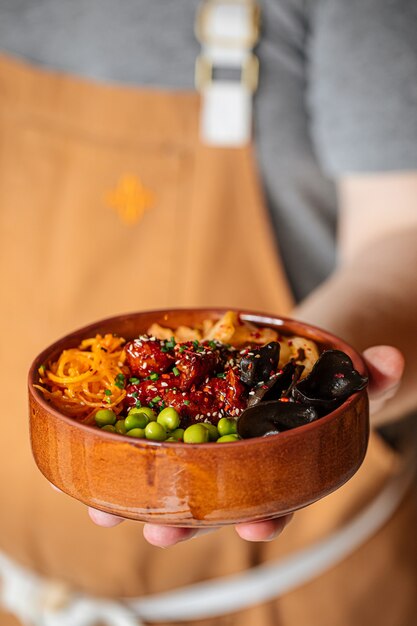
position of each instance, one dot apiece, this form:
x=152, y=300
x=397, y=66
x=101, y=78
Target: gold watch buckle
x=203, y=36
x=249, y=77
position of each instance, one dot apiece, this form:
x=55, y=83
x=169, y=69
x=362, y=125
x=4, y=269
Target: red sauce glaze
x=195, y=365
x=202, y=382
x=144, y=357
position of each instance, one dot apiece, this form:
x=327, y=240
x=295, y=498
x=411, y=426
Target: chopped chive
x=187, y=402
x=107, y=392
x=212, y=344
x=108, y=400
x=164, y=349
x=156, y=399
x=154, y=376
x=169, y=344
x=195, y=344
x=223, y=375
x=181, y=350
x=175, y=371
x=119, y=381
x=138, y=404
x=134, y=380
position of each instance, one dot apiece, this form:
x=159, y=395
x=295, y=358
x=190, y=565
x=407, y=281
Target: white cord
x=269, y=581
x=23, y=592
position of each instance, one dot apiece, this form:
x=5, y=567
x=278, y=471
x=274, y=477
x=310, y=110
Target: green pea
x=120, y=427
x=136, y=420
x=105, y=417
x=139, y=433
x=213, y=432
x=109, y=428
x=196, y=433
x=178, y=434
x=155, y=431
x=226, y=438
x=226, y=426
x=150, y=413
x=169, y=418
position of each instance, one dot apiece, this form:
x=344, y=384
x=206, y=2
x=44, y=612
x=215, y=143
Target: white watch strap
x=227, y=31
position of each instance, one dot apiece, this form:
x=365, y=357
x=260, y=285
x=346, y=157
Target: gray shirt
x=337, y=94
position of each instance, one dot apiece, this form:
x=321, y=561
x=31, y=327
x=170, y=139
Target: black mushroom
x=258, y=363
x=332, y=380
x=279, y=385
x=271, y=418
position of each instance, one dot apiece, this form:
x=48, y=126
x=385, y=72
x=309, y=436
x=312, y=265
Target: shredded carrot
x=83, y=380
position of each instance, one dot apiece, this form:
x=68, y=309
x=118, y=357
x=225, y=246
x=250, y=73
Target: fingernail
x=391, y=391
x=285, y=521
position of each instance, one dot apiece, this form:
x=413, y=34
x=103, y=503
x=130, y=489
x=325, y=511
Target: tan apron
x=108, y=204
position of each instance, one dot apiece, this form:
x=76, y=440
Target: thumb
x=385, y=367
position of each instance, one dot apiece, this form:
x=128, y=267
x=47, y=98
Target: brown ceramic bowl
x=197, y=484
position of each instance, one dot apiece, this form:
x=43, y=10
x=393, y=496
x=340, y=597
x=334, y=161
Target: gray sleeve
x=362, y=84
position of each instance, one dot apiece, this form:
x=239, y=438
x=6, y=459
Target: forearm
x=372, y=299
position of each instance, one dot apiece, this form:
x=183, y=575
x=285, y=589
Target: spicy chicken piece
x=145, y=355
x=236, y=393
x=195, y=364
x=147, y=391
x=193, y=406
x=230, y=394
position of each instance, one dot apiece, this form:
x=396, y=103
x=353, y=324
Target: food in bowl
x=215, y=382
x=202, y=485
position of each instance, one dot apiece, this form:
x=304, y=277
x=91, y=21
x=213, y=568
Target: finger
x=263, y=531
x=165, y=536
x=385, y=366
x=104, y=519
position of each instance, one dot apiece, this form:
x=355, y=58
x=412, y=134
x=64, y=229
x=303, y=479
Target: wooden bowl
x=197, y=484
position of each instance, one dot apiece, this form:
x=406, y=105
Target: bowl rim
x=252, y=316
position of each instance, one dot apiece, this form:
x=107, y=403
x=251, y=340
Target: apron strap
x=227, y=30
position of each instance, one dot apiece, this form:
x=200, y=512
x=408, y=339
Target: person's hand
x=385, y=368
x=165, y=536
x=385, y=365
